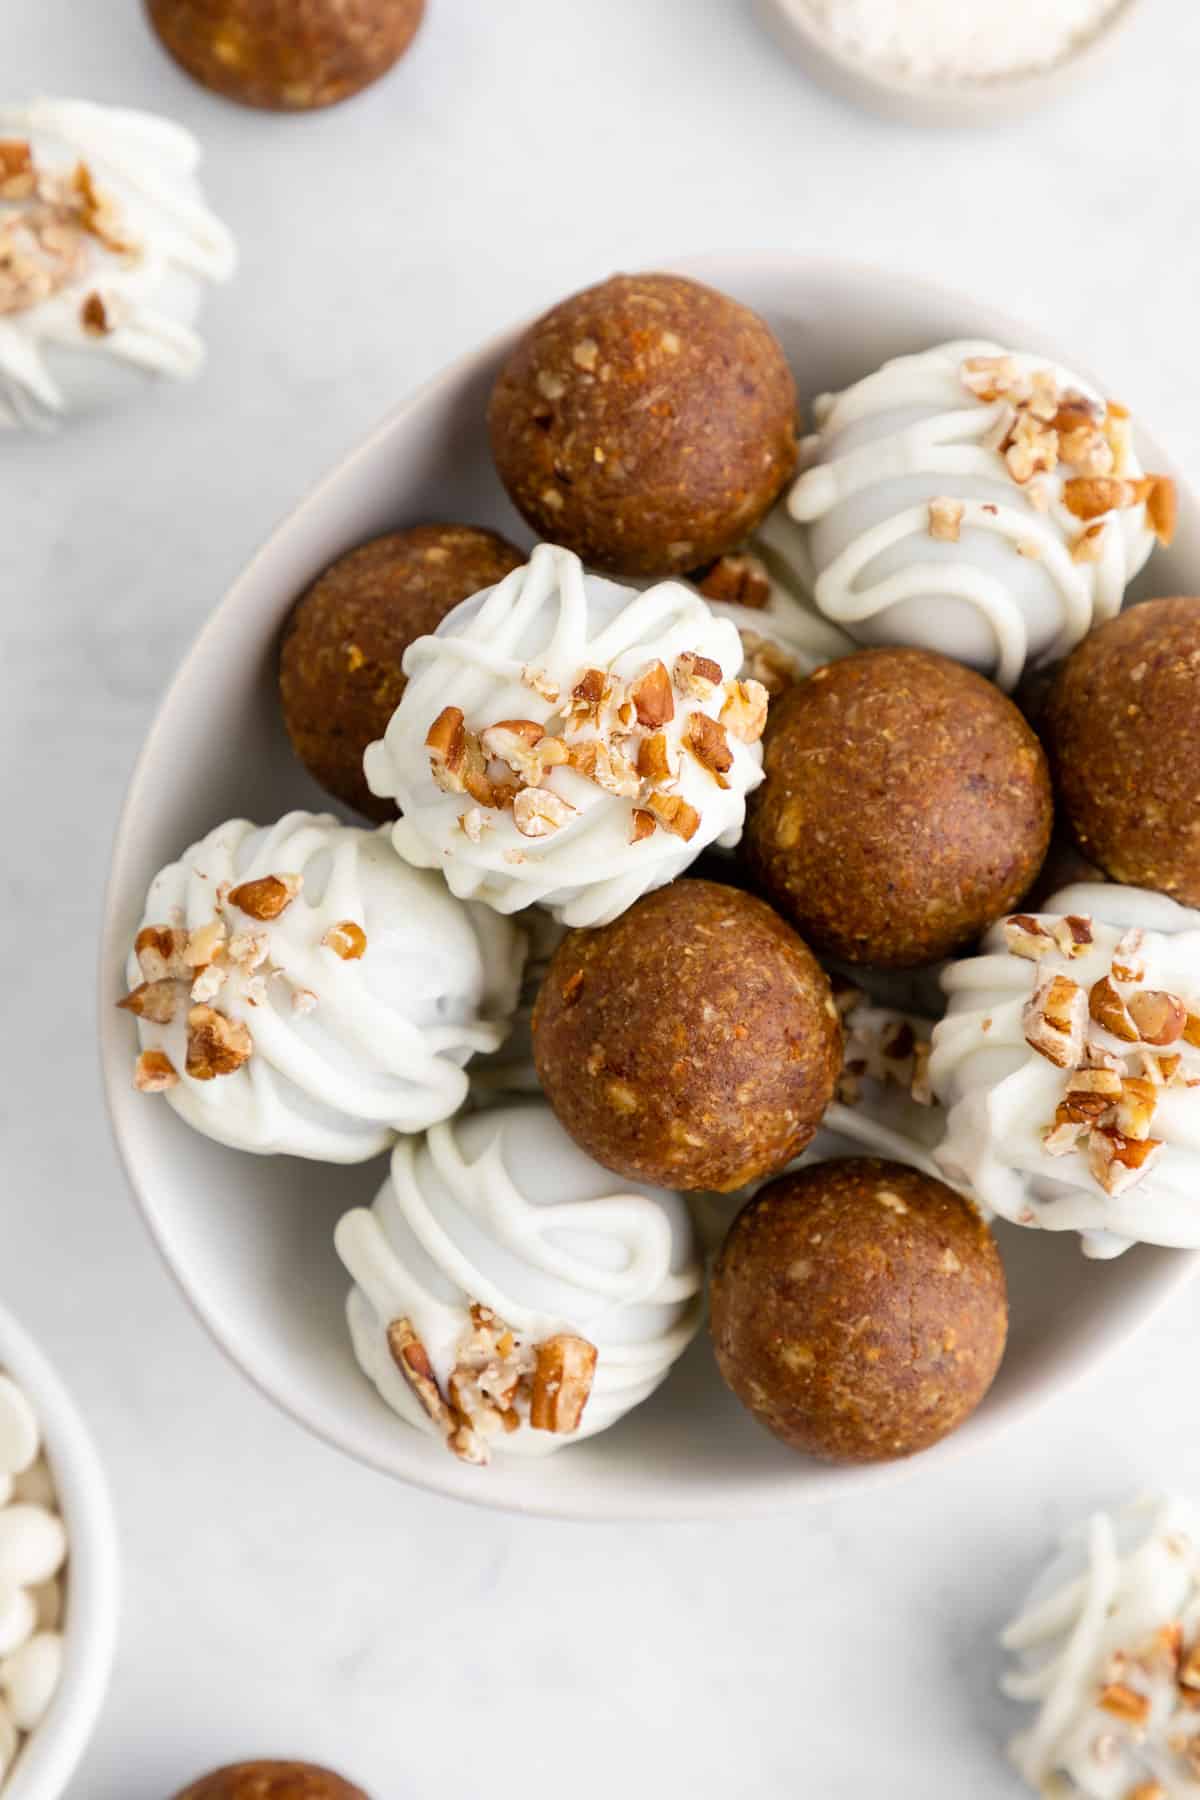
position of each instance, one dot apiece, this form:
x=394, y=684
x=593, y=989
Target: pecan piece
x=1162, y=508
x=538, y=813
x=267, y=897
x=655, y=763
x=1091, y=496
x=697, y=677
x=1118, y=1162
x=157, y=1001
x=607, y=768
x=154, y=1073
x=1123, y=1702
x=1090, y=1094
x=744, y=714
x=643, y=825
x=216, y=1045
x=1135, y=1110
x=706, y=740
x=1026, y=936
x=742, y=580
x=562, y=1382
x=1089, y=545
x=456, y=759
x=1127, y=964
x=18, y=178
x=516, y=742
x=346, y=939
x=1110, y=1012
x=653, y=701
x=1160, y=1018
x=945, y=520
x=161, y=951
x=1073, y=934
x=412, y=1359
x=675, y=815
x=1055, y=1020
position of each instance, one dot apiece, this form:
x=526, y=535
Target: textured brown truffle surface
x=1123, y=729
x=340, y=678
x=647, y=423
x=286, y=55
x=693, y=1043
x=859, y=1309
x=906, y=806
x=272, y=1781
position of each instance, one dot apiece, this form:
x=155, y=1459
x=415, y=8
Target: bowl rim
x=800, y=266
x=915, y=100
x=53, y=1751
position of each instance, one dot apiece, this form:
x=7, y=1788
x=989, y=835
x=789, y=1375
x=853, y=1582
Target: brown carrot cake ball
x=694, y=1042
x=286, y=55
x=647, y=424
x=340, y=677
x=1122, y=726
x=906, y=806
x=272, y=1781
x=859, y=1309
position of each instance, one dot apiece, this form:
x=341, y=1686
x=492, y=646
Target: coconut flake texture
x=953, y=41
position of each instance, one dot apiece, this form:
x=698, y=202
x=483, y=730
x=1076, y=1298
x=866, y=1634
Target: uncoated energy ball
x=693, y=1043
x=340, y=674
x=647, y=424
x=272, y=1781
x=859, y=1309
x=286, y=55
x=905, y=807
x=1122, y=726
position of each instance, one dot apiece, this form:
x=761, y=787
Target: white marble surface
x=278, y=1600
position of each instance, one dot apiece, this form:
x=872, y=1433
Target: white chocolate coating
x=1088, y=1641
x=553, y=618
x=33, y=1551
x=1008, y=592
x=503, y=1209
x=50, y=364
x=382, y=1045
x=1001, y=1094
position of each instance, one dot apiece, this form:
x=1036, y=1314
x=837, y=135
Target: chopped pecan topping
x=562, y=1383
x=1026, y=936
x=1110, y=1012
x=456, y=758
x=742, y=580
x=1135, y=1110
x=1189, y=1668
x=517, y=742
x=945, y=520
x=1061, y=1138
x=18, y=180
x=205, y=944
x=744, y=714
x=161, y=951
x=1118, y=1162
x=1127, y=963
x=538, y=813
x=209, y=982
x=156, y=1001
x=1072, y=934
x=697, y=677
x=1191, y=1030
x=1162, y=508
x=1090, y=1094
x=767, y=663
x=267, y=897
x=655, y=762
x=1055, y=1020
x=674, y=814
x=653, y=701
x=643, y=825
x=216, y=1045
x=1091, y=496
x=154, y=1073
x=1089, y=545
x=706, y=740
x=1124, y=1702
x=346, y=939
x=609, y=769
x=412, y=1359
x=1160, y=1018
x=94, y=316
x=248, y=950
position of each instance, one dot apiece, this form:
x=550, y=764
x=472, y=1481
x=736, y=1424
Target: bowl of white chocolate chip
x=58, y=1575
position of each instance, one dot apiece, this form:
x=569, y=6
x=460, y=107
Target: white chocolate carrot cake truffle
x=299, y=989
x=977, y=501
x=106, y=247
x=1107, y=1650
x=567, y=741
x=510, y=1296
x=1069, y=1064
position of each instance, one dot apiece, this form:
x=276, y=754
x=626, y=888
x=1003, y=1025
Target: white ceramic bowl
x=908, y=101
x=52, y=1752
x=250, y=1239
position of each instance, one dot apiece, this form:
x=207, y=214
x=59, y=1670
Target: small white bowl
x=908, y=101
x=250, y=1239
x=52, y=1752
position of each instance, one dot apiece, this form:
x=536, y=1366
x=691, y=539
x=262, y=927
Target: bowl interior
x=250, y=1238
x=51, y=1753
